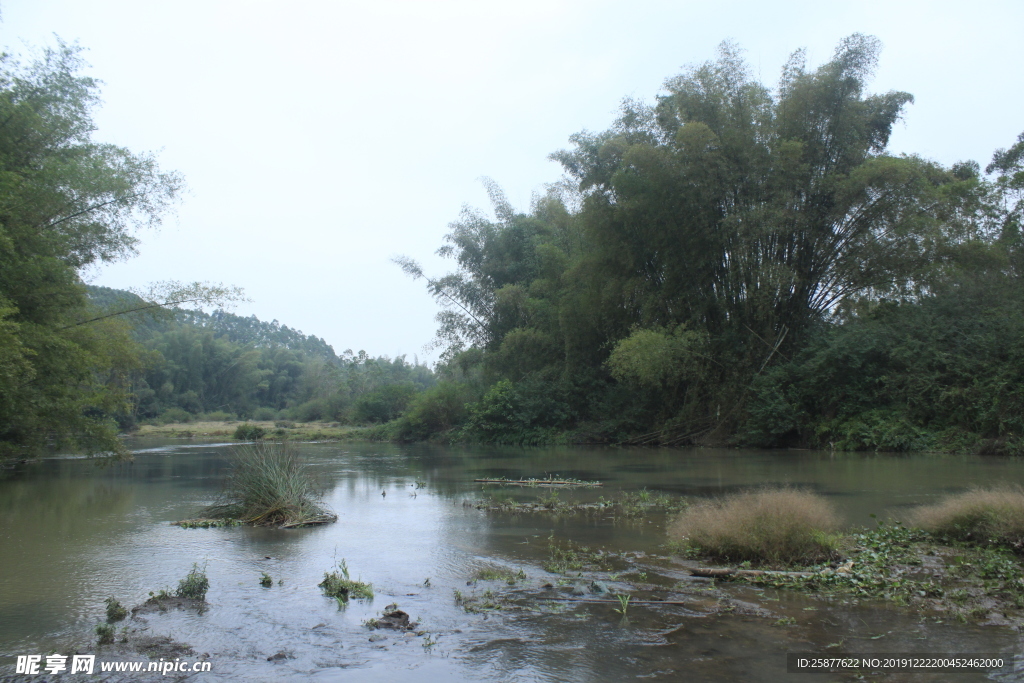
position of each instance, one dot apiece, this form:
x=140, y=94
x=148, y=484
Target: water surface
x=76, y=532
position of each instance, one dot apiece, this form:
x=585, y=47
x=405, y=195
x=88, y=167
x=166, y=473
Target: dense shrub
x=249, y=432
x=435, y=411
x=773, y=526
x=945, y=373
x=264, y=414
x=981, y=516
x=175, y=415
x=383, y=404
x=531, y=411
x=217, y=416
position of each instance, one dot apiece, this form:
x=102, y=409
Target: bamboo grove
x=736, y=263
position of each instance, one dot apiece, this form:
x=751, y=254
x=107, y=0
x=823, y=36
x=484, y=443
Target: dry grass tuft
x=993, y=516
x=769, y=526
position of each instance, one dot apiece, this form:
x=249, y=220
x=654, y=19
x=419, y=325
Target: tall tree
x=67, y=202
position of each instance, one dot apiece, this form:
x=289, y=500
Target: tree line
x=730, y=263
x=740, y=264
x=221, y=366
x=80, y=364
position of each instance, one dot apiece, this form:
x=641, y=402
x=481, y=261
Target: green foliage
x=175, y=416
x=436, y=411
x=524, y=413
x=340, y=586
x=249, y=432
x=651, y=359
x=383, y=404
x=941, y=374
x=739, y=260
x=115, y=610
x=66, y=202
x=572, y=557
x=105, y=634
x=260, y=414
x=194, y=585
x=266, y=580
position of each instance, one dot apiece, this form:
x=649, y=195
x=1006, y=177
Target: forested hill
x=250, y=331
x=195, y=365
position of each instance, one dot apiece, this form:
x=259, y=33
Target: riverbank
x=906, y=567
x=278, y=430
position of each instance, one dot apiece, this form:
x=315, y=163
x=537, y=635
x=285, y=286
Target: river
x=76, y=532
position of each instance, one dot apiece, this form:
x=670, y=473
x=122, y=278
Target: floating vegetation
x=488, y=601
x=625, y=505
x=266, y=580
x=554, y=481
x=571, y=557
x=207, y=523
x=270, y=486
x=340, y=586
x=499, y=574
x=907, y=566
x=115, y=610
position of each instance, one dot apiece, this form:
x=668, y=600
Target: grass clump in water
x=105, y=634
x=269, y=486
x=771, y=526
x=499, y=574
x=115, y=610
x=979, y=516
x=194, y=585
x=340, y=586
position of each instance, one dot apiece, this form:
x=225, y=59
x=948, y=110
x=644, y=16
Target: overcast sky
x=319, y=139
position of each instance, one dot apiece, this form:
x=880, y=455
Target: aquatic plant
x=340, y=586
x=270, y=486
x=105, y=633
x=194, y=585
x=499, y=574
x=774, y=526
x=572, y=557
x=115, y=610
x=623, y=604
x=266, y=580
x=993, y=516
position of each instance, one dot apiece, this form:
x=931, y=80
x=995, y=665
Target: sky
x=320, y=139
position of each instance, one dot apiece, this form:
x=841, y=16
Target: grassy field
x=286, y=431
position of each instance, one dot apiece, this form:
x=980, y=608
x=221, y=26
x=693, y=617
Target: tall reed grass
x=992, y=516
x=270, y=486
x=770, y=526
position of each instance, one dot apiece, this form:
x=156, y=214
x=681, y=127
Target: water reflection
x=77, y=533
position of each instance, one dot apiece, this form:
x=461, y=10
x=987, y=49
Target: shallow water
x=76, y=533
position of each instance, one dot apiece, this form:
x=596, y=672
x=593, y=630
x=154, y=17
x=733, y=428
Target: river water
x=75, y=532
